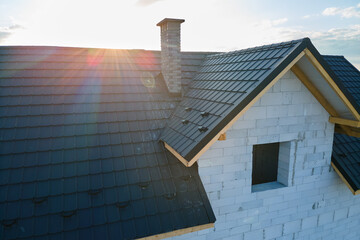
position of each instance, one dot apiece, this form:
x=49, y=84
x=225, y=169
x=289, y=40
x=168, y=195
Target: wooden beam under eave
x=343, y=121
x=344, y=180
x=331, y=82
x=318, y=95
x=222, y=137
x=177, y=155
x=178, y=232
x=314, y=91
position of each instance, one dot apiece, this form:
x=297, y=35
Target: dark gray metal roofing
x=225, y=83
x=346, y=157
x=79, y=150
x=347, y=74
x=346, y=149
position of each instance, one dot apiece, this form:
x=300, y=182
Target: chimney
x=170, y=53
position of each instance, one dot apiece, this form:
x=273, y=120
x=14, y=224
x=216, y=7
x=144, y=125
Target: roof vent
x=144, y=185
x=39, y=200
x=204, y=114
x=122, y=204
x=184, y=121
x=8, y=223
x=68, y=214
x=202, y=129
x=94, y=192
x=170, y=196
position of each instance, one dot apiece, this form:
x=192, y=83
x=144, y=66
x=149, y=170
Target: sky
x=210, y=25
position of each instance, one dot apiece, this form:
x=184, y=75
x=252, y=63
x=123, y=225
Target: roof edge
x=349, y=183
x=243, y=106
x=312, y=53
x=179, y=232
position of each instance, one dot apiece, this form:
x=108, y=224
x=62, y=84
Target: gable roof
x=225, y=86
x=79, y=150
x=346, y=149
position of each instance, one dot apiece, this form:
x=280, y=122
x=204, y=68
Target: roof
x=79, y=150
x=347, y=74
x=346, y=149
x=346, y=159
x=225, y=84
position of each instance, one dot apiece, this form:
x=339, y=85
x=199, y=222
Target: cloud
x=334, y=41
x=6, y=32
x=279, y=21
x=306, y=17
x=343, y=12
x=145, y=3
x=266, y=24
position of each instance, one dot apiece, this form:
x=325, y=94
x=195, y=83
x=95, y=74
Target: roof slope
x=346, y=158
x=79, y=150
x=346, y=73
x=346, y=149
x=224, y=85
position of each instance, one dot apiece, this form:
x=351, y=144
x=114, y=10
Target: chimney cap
x=166, y=20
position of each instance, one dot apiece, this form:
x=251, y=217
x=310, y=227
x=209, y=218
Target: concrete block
x=290, y=85
x=326, y=218
x=240, y=229
x=341, y=214
x=258, y=234
x=354, y=210
x=255, y=113
x=207, y=171
x=309, y=222
x=271, y=98
x=273, y=231
x=291, y=227
x=235, y=167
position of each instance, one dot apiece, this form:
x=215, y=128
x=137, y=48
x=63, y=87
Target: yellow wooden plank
x=344, y=180
x=222, y=137
x=331, y=82
x=315, y=92
x=343, y=121
x=176, y=154
x=178, y=232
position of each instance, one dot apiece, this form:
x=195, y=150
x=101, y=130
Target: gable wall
x=315, y=205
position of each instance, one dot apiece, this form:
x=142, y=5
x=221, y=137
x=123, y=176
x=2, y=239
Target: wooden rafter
x=321, y=99
x=331, y=82
x=355, y=192
x=222, y=137
x=178, y=232
x=343, y=121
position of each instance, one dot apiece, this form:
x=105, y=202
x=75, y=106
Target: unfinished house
x=260, y=143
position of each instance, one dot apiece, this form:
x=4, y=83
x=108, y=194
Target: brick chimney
x=170, y=53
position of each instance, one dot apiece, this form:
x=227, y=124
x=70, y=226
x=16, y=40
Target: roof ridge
x=260, y=47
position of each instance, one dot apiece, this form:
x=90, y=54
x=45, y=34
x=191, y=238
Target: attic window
x=270, y=166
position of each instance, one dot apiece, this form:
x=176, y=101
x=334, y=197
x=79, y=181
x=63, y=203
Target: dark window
x=265, y=163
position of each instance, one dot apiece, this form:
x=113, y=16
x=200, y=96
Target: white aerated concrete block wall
x=316, y=204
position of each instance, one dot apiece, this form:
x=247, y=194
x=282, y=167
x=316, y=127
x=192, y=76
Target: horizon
x=211, y=26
